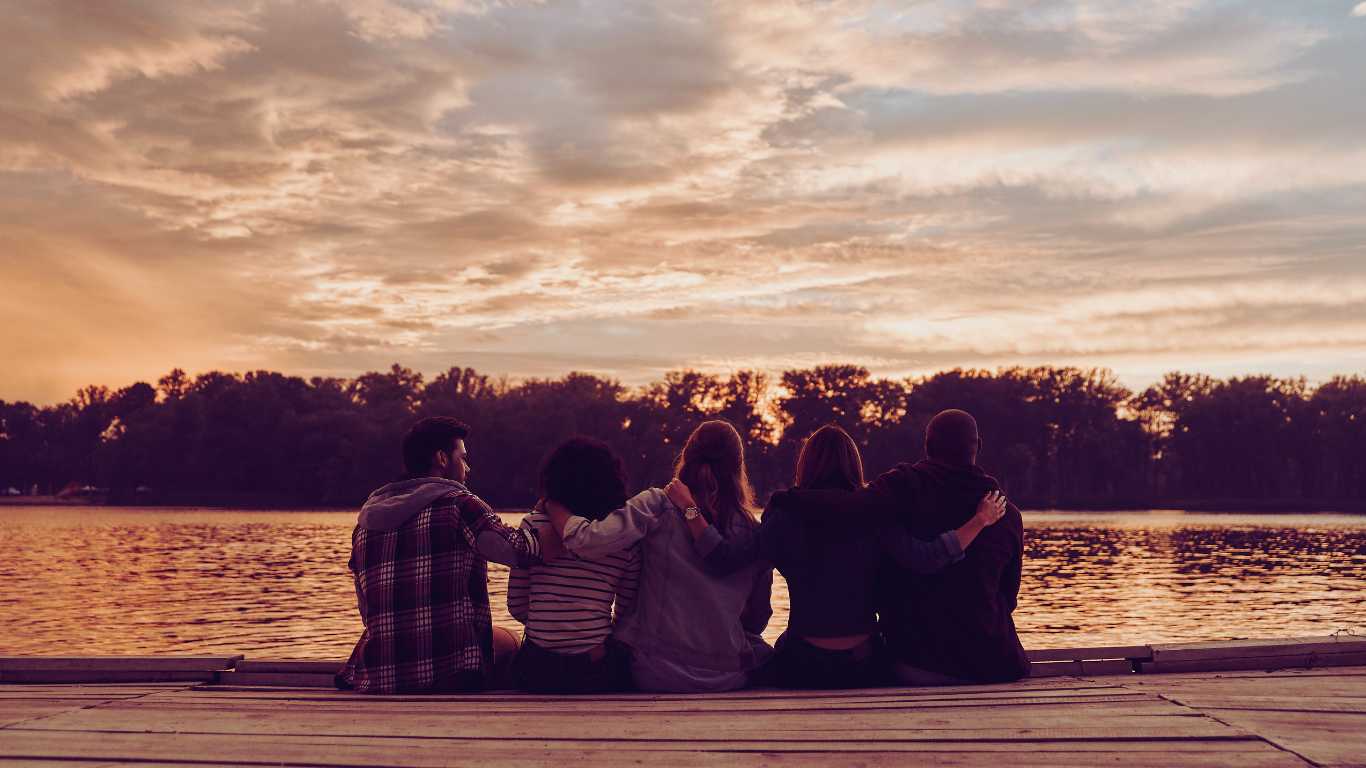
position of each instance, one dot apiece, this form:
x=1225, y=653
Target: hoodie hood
x=946, y=494
x=389, y=508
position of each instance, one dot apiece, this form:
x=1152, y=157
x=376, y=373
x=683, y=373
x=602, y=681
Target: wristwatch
x=690, y=513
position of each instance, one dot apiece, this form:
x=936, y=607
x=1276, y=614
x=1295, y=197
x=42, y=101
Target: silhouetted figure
x=418, y=555
x=690, y=631
x=831, y=570
x=568, y=604
x=955, y=625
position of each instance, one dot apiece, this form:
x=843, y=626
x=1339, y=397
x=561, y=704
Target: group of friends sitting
x=910, y=579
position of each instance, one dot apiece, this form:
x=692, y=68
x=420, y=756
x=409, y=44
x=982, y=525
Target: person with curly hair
x=691, y=631
x=566, y=604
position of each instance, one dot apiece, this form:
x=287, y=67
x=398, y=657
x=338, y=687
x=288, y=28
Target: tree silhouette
x=1055, y=436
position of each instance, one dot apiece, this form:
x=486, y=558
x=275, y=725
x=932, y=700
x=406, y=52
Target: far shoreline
x=292, y=504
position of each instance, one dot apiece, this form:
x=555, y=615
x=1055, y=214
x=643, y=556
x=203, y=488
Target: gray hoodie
x=390, y=507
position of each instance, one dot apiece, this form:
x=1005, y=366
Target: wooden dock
x=1290, y=716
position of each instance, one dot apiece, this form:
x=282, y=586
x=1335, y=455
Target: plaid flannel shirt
x=425, y=599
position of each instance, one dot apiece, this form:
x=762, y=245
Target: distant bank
x=275, y=501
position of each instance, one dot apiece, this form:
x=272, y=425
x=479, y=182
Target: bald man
x=954, y=626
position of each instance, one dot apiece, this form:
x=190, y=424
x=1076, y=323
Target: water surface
x=90, y=580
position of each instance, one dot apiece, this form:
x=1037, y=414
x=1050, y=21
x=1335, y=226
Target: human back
x=567, y=604
x=957, y=624
x=690, y=630
x=418, y=560
x=934, y=515
x=830, y=569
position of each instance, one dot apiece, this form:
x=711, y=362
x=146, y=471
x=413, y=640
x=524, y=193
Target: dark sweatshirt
x=831, y=570
x=955, y=622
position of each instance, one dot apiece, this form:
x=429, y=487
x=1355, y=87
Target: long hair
x=829, y=459
x=712, y=465
x=585, y=475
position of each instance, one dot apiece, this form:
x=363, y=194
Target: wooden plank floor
x=1242, y=719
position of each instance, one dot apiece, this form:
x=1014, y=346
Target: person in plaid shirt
x=418, y=556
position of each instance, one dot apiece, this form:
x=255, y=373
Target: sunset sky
x=628, y=187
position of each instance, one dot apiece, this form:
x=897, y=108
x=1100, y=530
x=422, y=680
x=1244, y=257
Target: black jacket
x=957, y=621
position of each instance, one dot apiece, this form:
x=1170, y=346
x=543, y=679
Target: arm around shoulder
x=619, y=530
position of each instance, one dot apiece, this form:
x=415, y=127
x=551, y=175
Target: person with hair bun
x=953, y=627
x=690, y=631
x=831, y=639
x=567, y=604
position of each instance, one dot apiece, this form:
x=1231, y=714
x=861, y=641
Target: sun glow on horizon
x=331, y=187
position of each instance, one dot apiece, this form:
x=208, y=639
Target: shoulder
x=901, y=474
x=1006, y=533
x=463, y=503
x=652, y=501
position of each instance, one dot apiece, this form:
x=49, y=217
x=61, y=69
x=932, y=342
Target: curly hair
x=585, y=475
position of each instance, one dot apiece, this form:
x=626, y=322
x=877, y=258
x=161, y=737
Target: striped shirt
x=566, y=604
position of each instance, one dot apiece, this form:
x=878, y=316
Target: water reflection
x=92, y=581
x=1151, y=578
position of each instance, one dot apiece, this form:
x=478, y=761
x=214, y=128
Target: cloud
x=322, y=186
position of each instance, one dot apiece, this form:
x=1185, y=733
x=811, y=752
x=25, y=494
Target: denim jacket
x=683, y=613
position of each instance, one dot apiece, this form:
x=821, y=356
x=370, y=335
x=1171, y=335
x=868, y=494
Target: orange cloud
x=326, y=186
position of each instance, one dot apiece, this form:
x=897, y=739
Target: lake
x=97, y=580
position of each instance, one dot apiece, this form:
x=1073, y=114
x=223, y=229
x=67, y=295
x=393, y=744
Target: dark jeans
x=536, y=669
x=800, y=664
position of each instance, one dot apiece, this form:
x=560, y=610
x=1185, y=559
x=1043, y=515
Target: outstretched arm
x=519, y=586
x=873, y=504
x=619, y=530
x=721, y=556
x=681, y=497
x=493, y=539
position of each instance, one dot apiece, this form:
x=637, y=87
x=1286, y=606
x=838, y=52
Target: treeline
x=1056, y=437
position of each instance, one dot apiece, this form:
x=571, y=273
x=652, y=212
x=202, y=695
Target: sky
x=626, y=187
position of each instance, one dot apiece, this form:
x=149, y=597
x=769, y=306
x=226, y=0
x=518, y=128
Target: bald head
x=952, y=436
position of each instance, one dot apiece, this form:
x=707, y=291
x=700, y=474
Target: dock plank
x=14, y=713
x=277, y=679
x=516, y=703
x=1346, y=682
x=1120, y=723
x=1081, y=668
x=1035, y=689
x=567, y=705
x=1248, y=719
x=424, y=753
x=1273, y=704
x=1324, y=738
x=1261, y=648
x=295, y=666
x=1091, y=653
x=1306, y=661
x=117, y=663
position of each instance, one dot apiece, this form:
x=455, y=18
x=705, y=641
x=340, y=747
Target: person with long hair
x=691, y=631
x=567, y=604
x=953, y=627
x=831, y=639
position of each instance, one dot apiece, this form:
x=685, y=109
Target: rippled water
x=275, y=584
